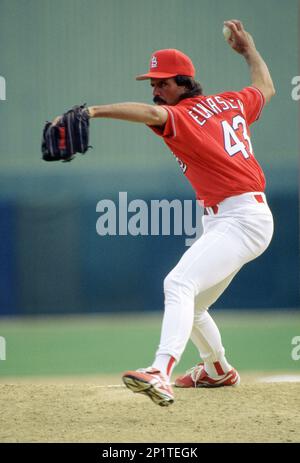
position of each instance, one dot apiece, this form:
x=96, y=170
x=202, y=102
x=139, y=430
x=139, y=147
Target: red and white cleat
x=197, y=377
x=150, y=382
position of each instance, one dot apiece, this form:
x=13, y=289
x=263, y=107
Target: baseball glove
x=70, y=135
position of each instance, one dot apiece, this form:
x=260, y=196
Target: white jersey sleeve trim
x=172, y=120
x=262, y=98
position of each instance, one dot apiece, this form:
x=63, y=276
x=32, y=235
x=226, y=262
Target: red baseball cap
x=168, y=63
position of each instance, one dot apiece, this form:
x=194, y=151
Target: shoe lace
x=143, y=370
x=163, y=379
x=195, y=373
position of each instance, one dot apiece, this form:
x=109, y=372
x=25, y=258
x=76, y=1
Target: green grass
x=101, y=344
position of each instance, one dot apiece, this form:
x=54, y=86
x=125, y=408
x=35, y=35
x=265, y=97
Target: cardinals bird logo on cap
x=154, y=62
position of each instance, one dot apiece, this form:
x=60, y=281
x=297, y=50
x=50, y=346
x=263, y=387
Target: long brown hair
x=194, y=88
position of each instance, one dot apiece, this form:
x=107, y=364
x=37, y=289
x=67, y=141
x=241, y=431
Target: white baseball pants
x=239, y=232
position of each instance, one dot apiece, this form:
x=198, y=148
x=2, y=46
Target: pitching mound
x=108, y=412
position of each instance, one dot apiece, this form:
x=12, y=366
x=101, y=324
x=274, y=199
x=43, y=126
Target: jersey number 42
x=233, y=144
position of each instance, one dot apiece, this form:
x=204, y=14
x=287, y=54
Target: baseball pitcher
x=210, y=136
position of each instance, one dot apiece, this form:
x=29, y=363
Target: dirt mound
x=252, y=412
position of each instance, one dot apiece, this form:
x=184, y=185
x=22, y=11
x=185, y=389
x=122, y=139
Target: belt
x=213, y=210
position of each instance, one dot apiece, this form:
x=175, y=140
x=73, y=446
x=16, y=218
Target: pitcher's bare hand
x=240, y=40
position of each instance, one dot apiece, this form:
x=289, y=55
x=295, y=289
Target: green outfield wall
x=58, y=53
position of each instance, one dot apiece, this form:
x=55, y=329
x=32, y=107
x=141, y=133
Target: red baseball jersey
x=210, y=137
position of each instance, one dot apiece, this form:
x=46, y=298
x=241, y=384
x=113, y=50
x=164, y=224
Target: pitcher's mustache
x=158, y=100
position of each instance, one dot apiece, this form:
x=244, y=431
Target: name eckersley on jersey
x=210, y=138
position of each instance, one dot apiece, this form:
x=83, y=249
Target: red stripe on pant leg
x=170, y=364
x=219, y=368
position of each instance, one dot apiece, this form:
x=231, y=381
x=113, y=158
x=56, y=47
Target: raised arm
x=243, y=43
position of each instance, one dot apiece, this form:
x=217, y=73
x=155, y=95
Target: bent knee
x=174, y=283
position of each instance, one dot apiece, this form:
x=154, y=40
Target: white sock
x=165, y=364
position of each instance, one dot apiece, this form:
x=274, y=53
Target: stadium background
x=52, y=262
